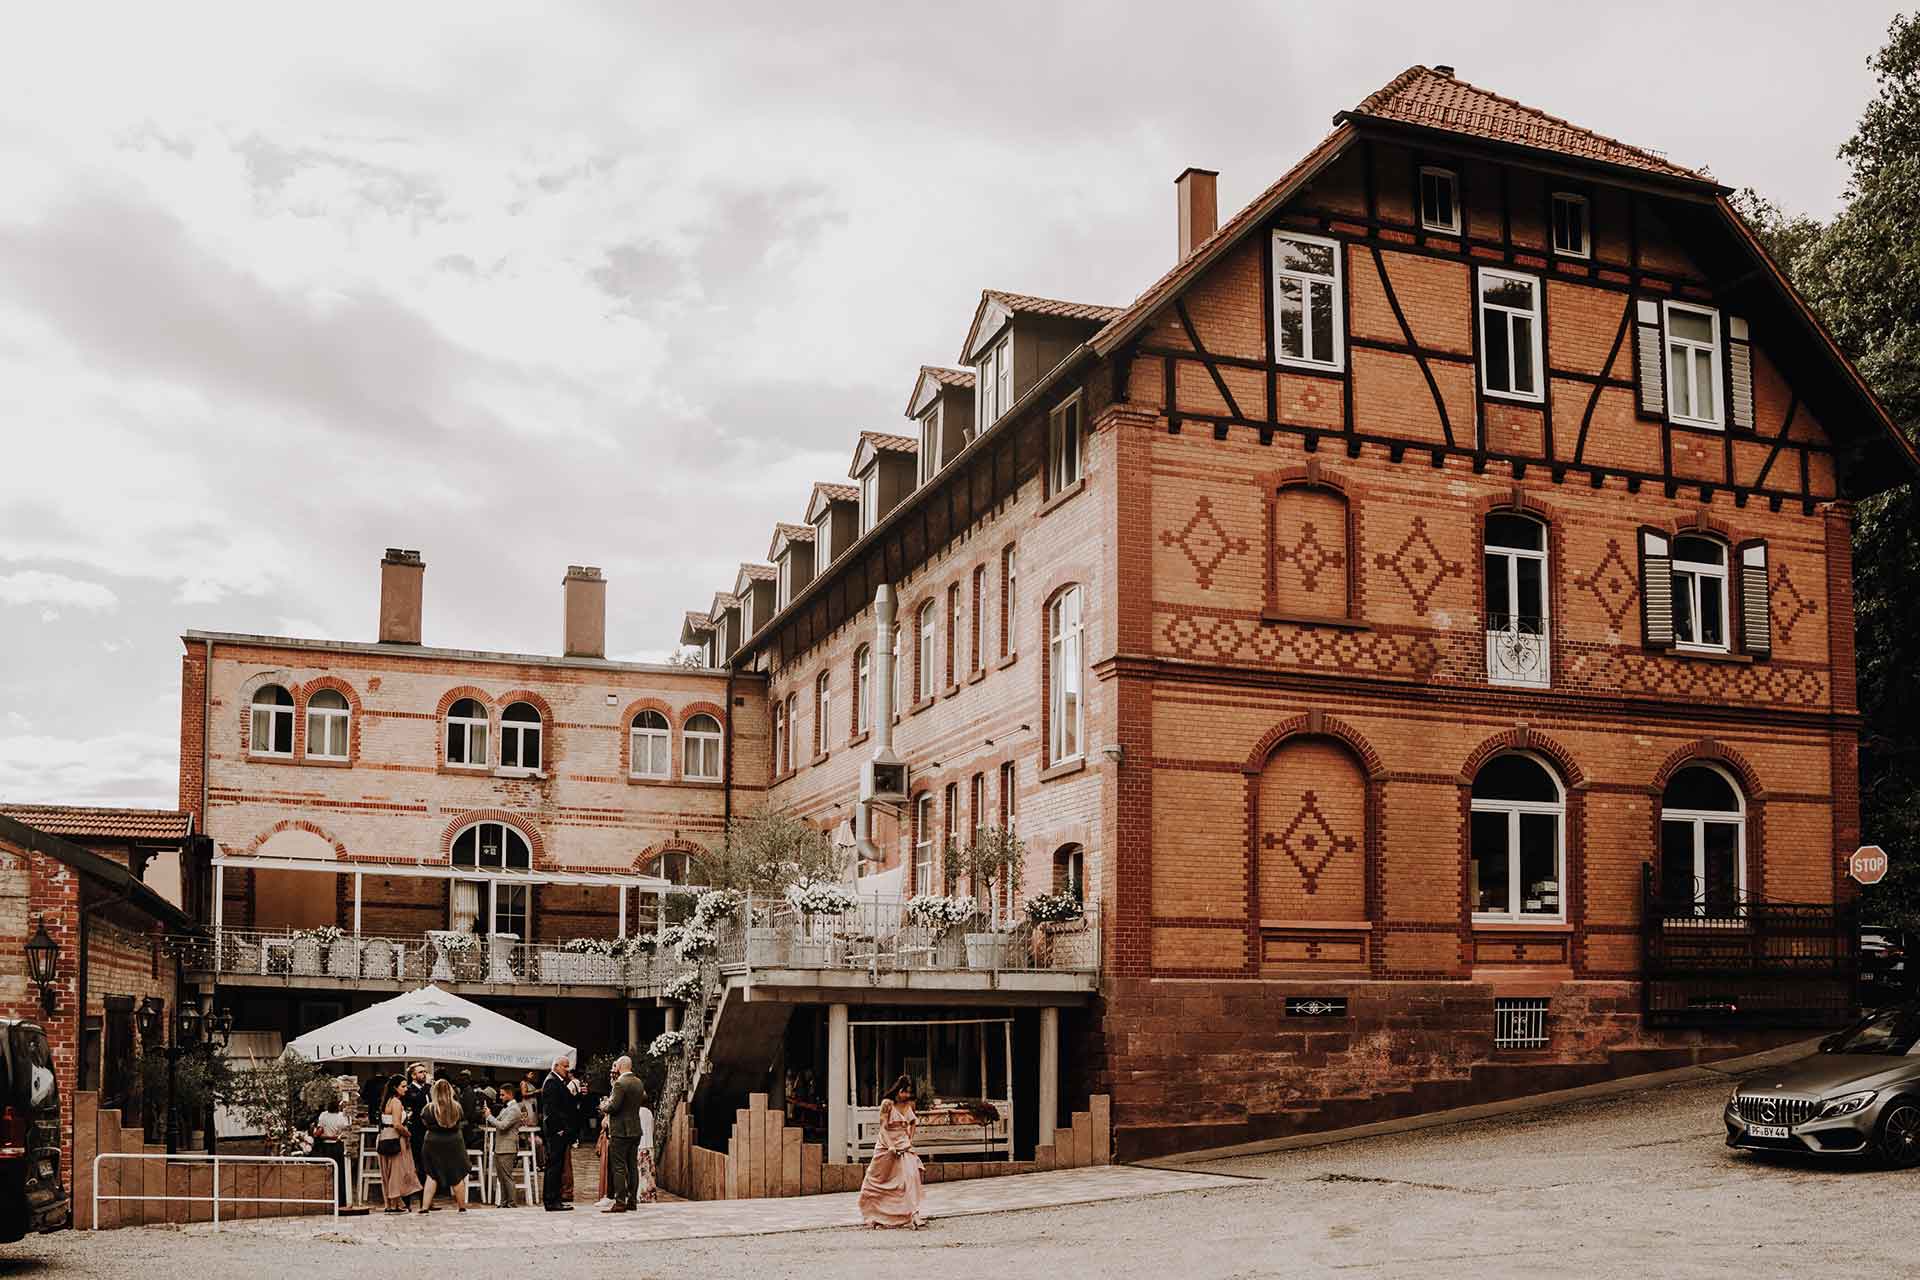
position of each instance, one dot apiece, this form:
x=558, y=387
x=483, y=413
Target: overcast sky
x=523, y=286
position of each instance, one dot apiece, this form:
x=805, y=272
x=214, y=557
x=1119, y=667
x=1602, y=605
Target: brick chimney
x=586, y=612
x=1199, y=208
x=401, y=573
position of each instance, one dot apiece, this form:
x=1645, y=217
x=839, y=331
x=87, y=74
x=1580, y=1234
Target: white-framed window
x=899, y=675
x=652, y=746
x=1699, y=593
x=863, y=689
x=1010, y=598
x=1306, y=301
x=1070, y=871
x=1066, y=726
x=1572, y=230
x=950, y=849
x=979, y=614
x=822, y=710
x=929, y=445
x=272, y=729
x=520, y=737
x=1703, y=842
x=785, y=581
x=993, y=384
x=923, y=669
x=492, y=846
x=977, y=803
x=700, y=748
x=781, y=760
x=1439, y=199
x=1064, y=445
x=823, y=540
x=1516, y=585
x=1693, y=363
x=923, y=843
x=328, y=721
x=675, y=866
x=1009, y=796
x=869, y=497
x=488, y=906
x=1517, y=841
x=467, y=734
x=953, y=634
x=1510, y=334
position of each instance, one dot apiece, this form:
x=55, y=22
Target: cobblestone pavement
x=1633, y=1187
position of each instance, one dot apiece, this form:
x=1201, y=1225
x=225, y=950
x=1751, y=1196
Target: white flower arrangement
x=695, y=941
x=1054, y=908
x=326, y=935
x=667, y=1042
x=686, y=988
x=819, y=898
x=642, y=944
x=937, y=909
x=455, y=944
x=714, y=904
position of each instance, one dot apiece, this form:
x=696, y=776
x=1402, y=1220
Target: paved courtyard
x=1633, y=1186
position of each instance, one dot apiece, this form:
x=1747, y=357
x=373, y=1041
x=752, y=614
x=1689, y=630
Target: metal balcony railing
x=879, y=934
x=1517, y=650
x=447, y=957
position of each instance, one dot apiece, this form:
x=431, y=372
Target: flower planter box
x=1067, y=946
x=343, y=960
x=991, y=951
x=578, y=967
x=305, y=958
x=814, y=953
x=766, y=948
x=377, y=958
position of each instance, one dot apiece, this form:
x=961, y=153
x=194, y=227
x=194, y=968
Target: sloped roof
x=1425, y=97
x=23, y=834
x=998, y=305
x=784, y=532
x=826, y=493
x=877, y=442
x=722, y=601
x=85, y=822
x=932, y=378
x=694, y=623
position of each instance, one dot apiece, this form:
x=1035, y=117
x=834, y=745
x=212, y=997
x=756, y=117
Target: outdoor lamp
x=151, y=1018
x=42, y=953
x=187, y=1023
x=220, y=1028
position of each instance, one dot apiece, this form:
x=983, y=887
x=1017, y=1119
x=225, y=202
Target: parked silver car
x=1858, y=1096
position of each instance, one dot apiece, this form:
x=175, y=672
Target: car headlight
x=1846, y=1104
x=1733, y=1101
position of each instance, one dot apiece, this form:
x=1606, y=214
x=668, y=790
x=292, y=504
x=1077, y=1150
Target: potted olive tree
x=993, y=863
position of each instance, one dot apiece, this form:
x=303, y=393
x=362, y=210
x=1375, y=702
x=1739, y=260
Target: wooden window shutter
x=1756, y=614
x=1739, y=373
x=1656, y=590
x=1649, y=361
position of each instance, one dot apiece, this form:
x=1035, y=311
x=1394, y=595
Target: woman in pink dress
x=890, y=1193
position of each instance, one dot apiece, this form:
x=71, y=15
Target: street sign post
x=1868, y=864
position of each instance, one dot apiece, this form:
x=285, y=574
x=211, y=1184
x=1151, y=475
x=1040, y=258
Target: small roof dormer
x=1016, y=339
x=942, y=409
x=886, y=469
x=755, y=585
x=834, y=513
x=793, y=561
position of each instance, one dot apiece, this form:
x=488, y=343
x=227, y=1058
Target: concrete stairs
x=742, y=1043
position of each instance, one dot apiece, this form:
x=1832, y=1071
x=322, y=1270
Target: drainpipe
x=882, y=668
x=726, y=762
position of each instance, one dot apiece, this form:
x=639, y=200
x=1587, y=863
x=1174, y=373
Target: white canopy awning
x=434, y=1026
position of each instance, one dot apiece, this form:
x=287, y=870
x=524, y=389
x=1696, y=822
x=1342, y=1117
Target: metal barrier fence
x=333, y=1180
x=879, y=934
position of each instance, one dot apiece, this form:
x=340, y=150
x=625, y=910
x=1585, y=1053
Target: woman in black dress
x=444, y=1152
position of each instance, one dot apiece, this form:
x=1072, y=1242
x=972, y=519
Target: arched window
x=822, y=710
x=486, y=905
x=467, y=734
x=520, y=737
x=1516, y=583
x=863, y=689
x=923, y=666
x=272, y=722
x=651, y=754
x=701, y=746
x=676, y=866
x=1703, y=842
x=923, y=843
x=1699, y=593
x=492, y=846
x=1518, y=841
x=780, y=762
x=1070, y=871
x=1066, y=712
x=327, y=723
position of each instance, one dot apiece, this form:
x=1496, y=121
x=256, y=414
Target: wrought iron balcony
x=1517, y=650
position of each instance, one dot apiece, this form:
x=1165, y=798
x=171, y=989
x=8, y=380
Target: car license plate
x=1769, y=1131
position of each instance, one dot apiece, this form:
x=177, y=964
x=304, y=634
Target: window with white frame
x=923, y=668
x=793, y=727
x=950, y=849
x=491, y=846
x=1010, y=598
x=993, y=384
x=1703, y=843
x=953, y=634
x=1517, y=841
x=1065, y=708
x=923, y=843
x=869, y=497
x=780, y=762
x=863, y=689
x=1070, y=871
x=929, y=445
x=785, y=589
x=1009, y=797
x=979, y=612
x=700, y=747
x=1439, y=199
x=977, y=803
x=823, y=540
x=1572, y=235
x=1064, y=444
x=822, y=711
x=899, y=675
x=651, y=743
x=1693, y=364
x=467, y=734
x=520, y=737
x=675, y=866
x=1510, y=334
x=328, y=720
x=272, y=728
x=1306, y=301
x=1699, y=593
x=1516, y=586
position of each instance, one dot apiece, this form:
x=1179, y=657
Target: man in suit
x=557, y=1121
x=623, y=1107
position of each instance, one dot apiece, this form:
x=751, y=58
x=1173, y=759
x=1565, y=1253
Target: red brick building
x=1418, y=618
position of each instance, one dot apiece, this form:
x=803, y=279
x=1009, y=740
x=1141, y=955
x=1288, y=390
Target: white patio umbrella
x=434, y=1026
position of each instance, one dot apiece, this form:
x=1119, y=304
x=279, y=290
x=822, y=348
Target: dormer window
x=785, y=580
x=930, y=459
x=869, y=497
x=823, y=539
x=993, y=385
x=1439, y=200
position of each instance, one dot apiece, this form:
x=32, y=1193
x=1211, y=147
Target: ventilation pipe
x=883, y=777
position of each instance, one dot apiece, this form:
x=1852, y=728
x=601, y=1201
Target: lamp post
x=193, y=1030
x=42, y=955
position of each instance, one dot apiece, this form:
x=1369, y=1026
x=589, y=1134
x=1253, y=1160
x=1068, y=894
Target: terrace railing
x=879, y=935
x=496, y=959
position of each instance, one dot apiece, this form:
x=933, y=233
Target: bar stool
x=368, y=1165
x=528, y=1175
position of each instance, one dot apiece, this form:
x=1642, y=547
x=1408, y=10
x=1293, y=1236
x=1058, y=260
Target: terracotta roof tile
x=948, y=377
x=696, y=621
x=758, y=572
x=722, y=601
x=836, y=492
x=1025, y=304
x=794, y=532
x=79, y=822
x=889, y=444
x=1422, y=96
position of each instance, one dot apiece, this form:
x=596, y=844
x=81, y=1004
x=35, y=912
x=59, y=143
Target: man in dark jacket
x=623, y=1106
x=557, y=1120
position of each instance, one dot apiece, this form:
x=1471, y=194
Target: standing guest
x=890, y=1193
x=474, y=1101
x=398, y=1176
x=416, y=1100
x=643, y=1163
x=445, y=1147
x=624, y=1107
x=557, y=1094
x=505, y=1124
x=330, y=1131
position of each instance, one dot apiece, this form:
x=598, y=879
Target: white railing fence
x=217, y=1195
x=878, y=934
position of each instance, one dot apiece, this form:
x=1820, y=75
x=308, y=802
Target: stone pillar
x=673, y=1017
x=839, y=1108
x=1049, y=1095
x=633, y=1025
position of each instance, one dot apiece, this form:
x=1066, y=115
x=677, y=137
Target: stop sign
x=1868, y=864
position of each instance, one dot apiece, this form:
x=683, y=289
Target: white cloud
x=119, y=768
x=37, y=586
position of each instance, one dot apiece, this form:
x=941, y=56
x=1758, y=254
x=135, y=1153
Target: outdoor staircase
x=741, y=1044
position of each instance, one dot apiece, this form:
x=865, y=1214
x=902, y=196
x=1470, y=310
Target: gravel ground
x=1631, y=1187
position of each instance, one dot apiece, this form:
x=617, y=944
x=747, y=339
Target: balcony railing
x=1517, y=650
x=497, y=959
x=878, y=935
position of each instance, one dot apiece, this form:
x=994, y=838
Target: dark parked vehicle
x=31, y=1197
x=1886, y=965
x=1858, y=1096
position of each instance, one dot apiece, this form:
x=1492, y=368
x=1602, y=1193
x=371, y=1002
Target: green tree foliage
x=1861, y=273
x=765, y=853
x=279, y=1099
